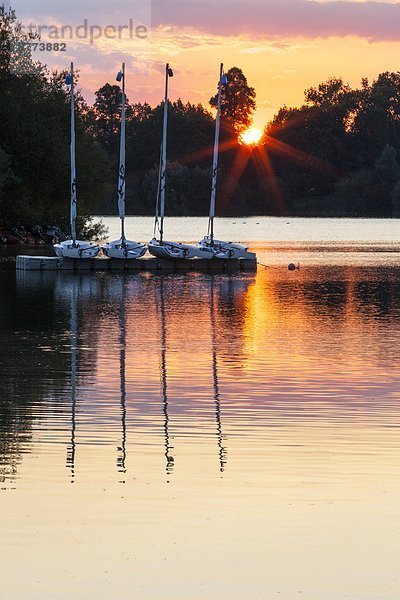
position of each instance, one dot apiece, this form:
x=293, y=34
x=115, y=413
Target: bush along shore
x=19, y=235
x=37, y=236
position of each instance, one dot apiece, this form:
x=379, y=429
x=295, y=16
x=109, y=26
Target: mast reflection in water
x=163, y=371
x=74, y=351
x=121, y=460
x=222, y=449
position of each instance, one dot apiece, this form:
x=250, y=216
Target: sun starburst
x=251, y=137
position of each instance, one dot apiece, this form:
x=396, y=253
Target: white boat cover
x=71, y=249
x=178, y=250
x=225, y=250
x=124, y=249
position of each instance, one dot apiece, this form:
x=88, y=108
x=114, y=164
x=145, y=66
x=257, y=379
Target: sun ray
x=265, y=168
x=234, y=176
x=207, y=152
x=299, y=155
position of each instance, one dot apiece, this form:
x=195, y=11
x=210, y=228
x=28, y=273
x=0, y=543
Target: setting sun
x=251, y=136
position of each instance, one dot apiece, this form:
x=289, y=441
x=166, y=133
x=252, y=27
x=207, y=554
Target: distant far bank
x=348, y=240
x=252, y=216
x=270, y=230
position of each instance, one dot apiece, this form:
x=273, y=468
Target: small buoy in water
x=292, y=267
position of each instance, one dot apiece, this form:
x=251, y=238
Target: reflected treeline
x=31, y=353
x=332, y=290
x=55, y=321
x=44, y=319
x=59, y=330
x=230, y=306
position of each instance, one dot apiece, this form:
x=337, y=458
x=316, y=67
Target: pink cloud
x=374, y=21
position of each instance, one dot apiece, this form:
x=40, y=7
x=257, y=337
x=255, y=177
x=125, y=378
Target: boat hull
x=177, y=250
x=124, y=251
x=69, y=249
x=225, y=250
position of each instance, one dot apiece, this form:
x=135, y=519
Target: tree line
x=336, y=155
x=339, y=153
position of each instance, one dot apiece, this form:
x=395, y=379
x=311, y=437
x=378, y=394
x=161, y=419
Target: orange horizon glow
x=281, y=53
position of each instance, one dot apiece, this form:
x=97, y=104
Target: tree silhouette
x=238, y=100
x=107, y=108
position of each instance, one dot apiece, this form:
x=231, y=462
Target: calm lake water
x=198, y=437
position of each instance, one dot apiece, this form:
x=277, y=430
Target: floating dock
x=150, y=265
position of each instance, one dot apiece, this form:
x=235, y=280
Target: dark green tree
x=34, y=133
x=188, y=190
x=107, y=112
x=329, y=94
x=376, y=122
x=15, y=49
x=238, y=101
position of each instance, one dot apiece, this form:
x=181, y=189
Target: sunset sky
x=283, y=46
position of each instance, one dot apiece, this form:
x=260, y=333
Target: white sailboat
x=74, y=248
x=159, y=247
x=123, y=248
x=219, y=248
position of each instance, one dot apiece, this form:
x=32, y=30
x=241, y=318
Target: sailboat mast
x=73, y=164
x=122, y=151
x=168, y=74
x=215, y=161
